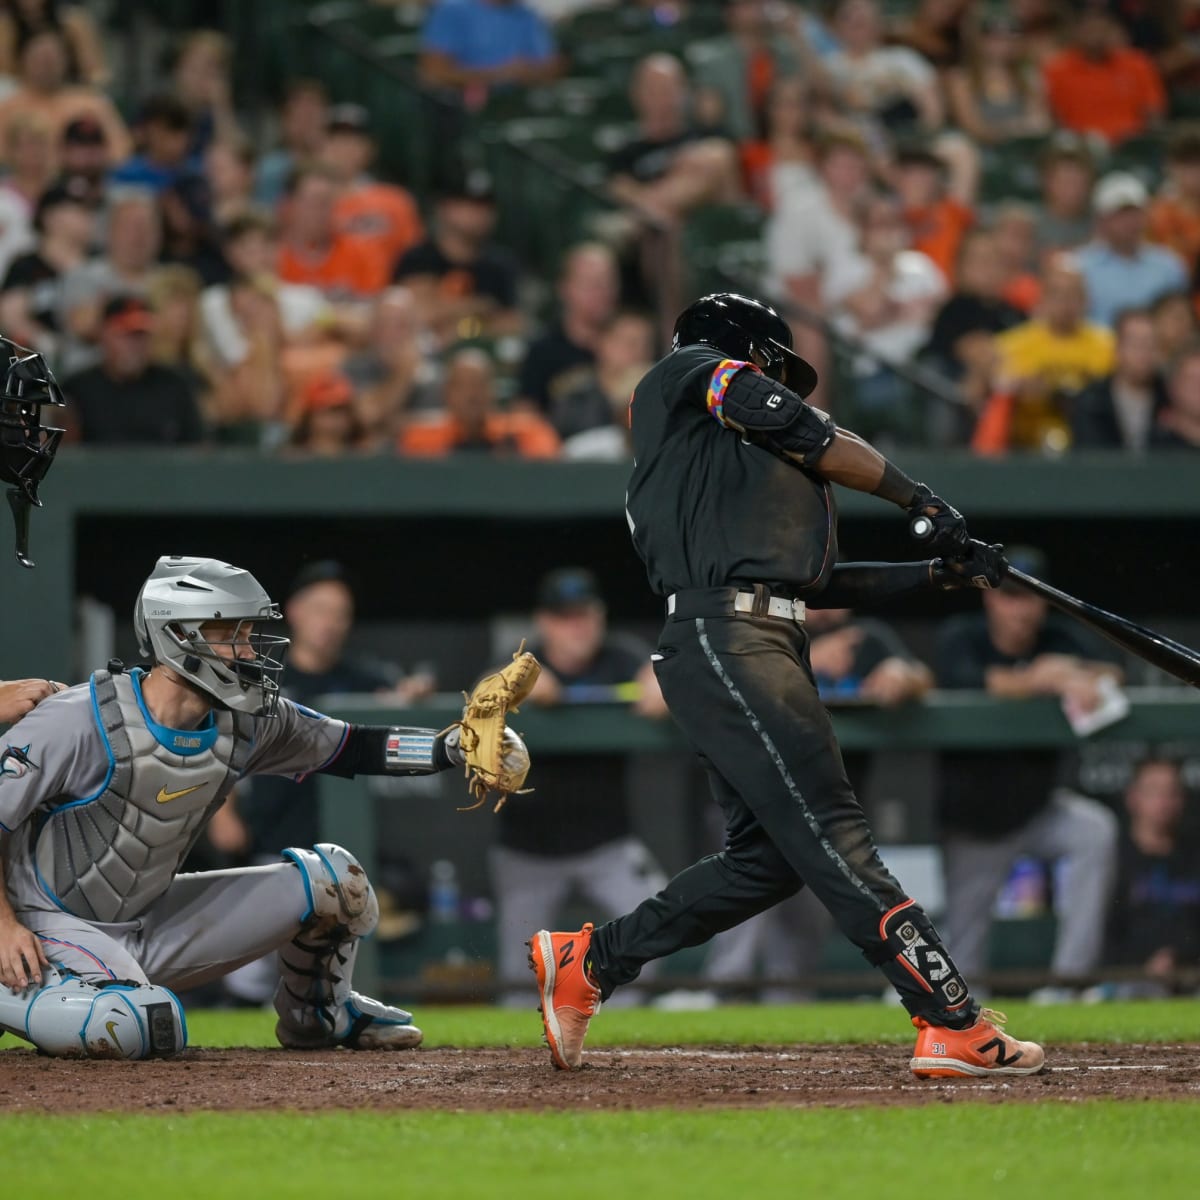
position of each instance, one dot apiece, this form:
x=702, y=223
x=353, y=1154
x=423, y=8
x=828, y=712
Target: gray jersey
x=101, y=803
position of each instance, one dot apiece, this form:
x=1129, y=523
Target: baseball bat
x=1155, y=648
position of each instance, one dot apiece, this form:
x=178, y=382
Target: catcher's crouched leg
x=316, y=1006
x=68, y=1017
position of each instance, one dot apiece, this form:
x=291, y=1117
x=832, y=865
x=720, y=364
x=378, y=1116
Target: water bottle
x=443, y=892
x=1024, y=892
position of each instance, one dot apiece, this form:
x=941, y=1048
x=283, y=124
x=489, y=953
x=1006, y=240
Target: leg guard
x=316, y=1006
x=910, y=953
x=67, y=1016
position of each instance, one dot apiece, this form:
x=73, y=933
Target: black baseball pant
x=742, y=690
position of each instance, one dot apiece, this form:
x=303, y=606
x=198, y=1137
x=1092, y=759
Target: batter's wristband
x=896, y=486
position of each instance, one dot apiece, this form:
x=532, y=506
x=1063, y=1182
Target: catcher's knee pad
x=911, y=954
x=70, y=1017
x=340, y=896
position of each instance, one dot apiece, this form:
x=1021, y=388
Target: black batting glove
x=982, y=566
x=936, y=524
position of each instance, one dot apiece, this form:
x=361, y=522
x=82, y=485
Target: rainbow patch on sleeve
x=726, y=369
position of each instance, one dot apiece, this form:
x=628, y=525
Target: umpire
x=731, y=509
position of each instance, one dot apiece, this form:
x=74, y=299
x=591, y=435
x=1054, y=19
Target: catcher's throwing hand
x=494, y=756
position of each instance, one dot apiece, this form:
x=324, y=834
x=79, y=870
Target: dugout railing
x=464, y=540
x=453, y=960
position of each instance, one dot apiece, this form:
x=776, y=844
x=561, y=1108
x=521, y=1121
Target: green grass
x=1086, y=1151
x=1093, y=1150
x=1149, y=1021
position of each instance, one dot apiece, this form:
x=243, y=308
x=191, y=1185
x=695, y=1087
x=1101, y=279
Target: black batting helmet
x=740, y=326
x=27, y=446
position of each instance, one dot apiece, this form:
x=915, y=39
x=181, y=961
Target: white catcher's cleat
x=359, y=1023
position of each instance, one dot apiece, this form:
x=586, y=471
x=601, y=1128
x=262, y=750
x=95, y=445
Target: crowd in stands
x=193, y=285
x=290, y=293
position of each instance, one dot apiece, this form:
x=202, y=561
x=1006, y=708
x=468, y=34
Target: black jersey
x=708, y=509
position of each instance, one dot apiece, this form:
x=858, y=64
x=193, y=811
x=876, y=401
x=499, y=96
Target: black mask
x=27, y=447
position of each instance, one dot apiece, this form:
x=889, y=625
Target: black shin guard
x=911, y=955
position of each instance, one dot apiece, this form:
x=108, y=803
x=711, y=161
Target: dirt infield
x=503, y=1079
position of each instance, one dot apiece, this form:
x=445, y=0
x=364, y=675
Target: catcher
x=104, y=788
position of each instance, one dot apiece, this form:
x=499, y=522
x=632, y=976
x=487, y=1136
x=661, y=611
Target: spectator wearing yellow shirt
x=1042, y=364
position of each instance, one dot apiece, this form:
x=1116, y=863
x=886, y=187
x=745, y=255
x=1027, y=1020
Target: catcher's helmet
x=739, y=326
x=182, y=595
x=27, y=447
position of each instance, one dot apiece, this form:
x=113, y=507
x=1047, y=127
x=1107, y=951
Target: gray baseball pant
x=1079, y=831
x=203, y=926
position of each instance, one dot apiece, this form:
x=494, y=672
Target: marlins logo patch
x=15, y=762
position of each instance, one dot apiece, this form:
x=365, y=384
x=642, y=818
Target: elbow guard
x=741, y=397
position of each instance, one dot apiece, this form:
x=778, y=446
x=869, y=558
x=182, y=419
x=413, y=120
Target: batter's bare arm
x=764, y=411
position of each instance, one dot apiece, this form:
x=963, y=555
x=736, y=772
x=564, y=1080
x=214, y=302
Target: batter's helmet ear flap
x=798, y=373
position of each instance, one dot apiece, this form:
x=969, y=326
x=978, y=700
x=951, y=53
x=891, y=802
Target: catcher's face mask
x=27, y=447
x=237, y=662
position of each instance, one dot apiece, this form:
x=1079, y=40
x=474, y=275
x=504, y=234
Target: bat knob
x=921, y=528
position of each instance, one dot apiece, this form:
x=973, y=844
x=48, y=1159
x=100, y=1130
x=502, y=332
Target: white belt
x=743, y=602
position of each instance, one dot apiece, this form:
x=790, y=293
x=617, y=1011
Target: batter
x=730, y=508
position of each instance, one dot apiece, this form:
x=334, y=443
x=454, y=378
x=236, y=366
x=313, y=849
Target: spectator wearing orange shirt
x=380, y=216
x=328, y=425
x=1174, y=217
x=312, y=250
x=936, y=211
x=1098, y=84
x=470, y=421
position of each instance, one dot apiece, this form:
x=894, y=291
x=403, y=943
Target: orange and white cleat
x=982, y=1049
x=569, y=998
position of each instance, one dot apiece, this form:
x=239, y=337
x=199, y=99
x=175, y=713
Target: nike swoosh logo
x=165, y=797
x=111, y=1026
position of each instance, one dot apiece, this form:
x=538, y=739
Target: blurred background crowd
x=464, y=227
x=983, y=220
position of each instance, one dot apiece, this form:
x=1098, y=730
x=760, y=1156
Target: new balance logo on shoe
x=566, y=955
x=997, y=1044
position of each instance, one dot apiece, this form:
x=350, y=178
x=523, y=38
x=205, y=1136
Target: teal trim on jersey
x=50, y=895
x=205, y=736
x=112, y=766
x=112, y=762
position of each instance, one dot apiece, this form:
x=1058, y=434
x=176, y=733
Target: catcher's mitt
x=496, y=758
